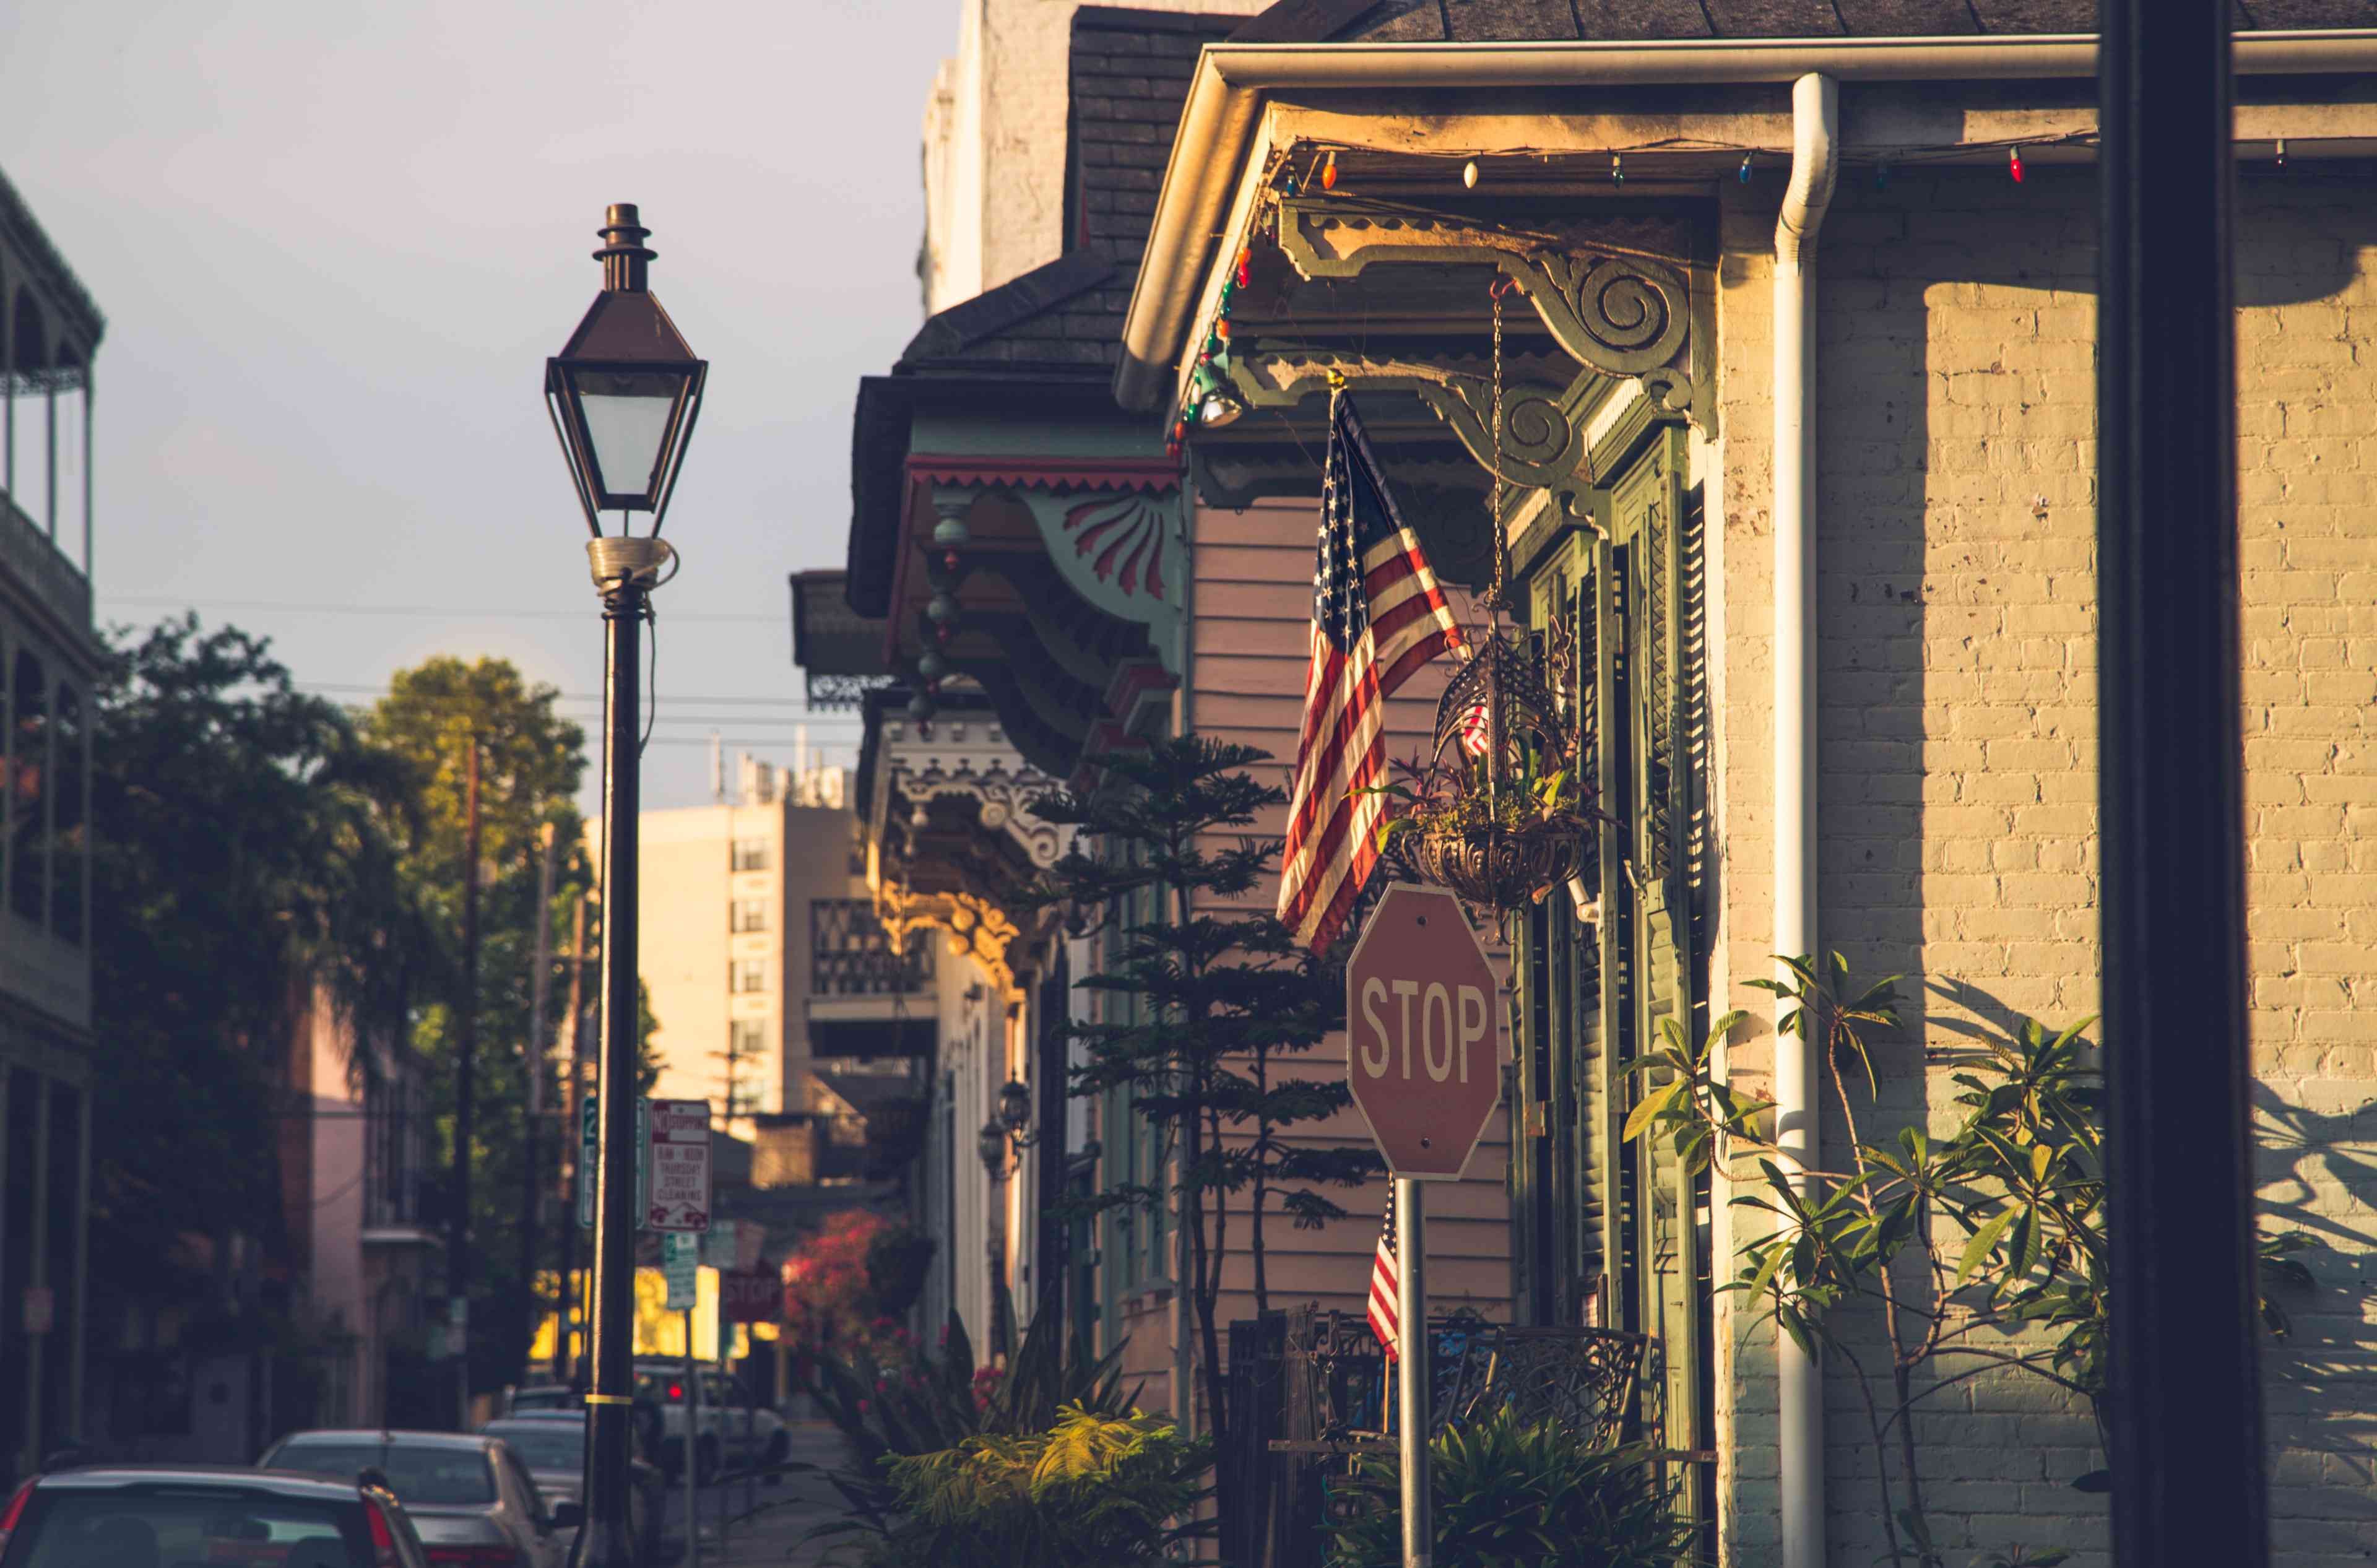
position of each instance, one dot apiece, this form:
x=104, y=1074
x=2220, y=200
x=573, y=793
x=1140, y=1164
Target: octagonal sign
x=1423, y=1035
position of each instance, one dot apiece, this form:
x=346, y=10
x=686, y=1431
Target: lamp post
x=623, y=396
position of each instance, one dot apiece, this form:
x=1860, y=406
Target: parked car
x=737, y=1430
x=552, y=1443
x=541, y=1396
x=161, y=1515
x=470, y=1497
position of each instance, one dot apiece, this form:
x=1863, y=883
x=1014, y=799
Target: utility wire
x=417, y=611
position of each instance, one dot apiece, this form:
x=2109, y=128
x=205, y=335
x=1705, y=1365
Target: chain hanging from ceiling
x=1499, y=814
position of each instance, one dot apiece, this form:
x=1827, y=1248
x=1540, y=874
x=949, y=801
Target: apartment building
x=49, y=659
x=759, y=950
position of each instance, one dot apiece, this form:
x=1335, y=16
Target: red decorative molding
x=1154, y=475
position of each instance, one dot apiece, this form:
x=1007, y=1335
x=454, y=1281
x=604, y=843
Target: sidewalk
x=786, y=1512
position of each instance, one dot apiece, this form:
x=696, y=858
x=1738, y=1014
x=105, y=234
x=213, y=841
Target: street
x=764, y=1522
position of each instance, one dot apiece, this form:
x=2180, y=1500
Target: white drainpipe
x=1815, y=114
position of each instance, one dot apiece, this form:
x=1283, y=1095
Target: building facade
x=1595, y=271
x=50, y=330
x=751, y=954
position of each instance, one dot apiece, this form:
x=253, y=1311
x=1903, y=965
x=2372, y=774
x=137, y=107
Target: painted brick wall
x=1958, y=777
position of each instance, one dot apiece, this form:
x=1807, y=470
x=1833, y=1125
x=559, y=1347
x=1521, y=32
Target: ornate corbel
x=1542, y=443
x=1596, y=285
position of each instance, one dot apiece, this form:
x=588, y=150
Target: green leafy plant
x=1451, y=795
x=1505, y=1495
x=2016, y=1278
x=891, y=1404
x=1090, y=1490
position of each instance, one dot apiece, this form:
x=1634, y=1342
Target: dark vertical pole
x=607, y=1541
x=2184, y=1415
x=466, y=1068
x=1052, y=1233
x=535, y=1060
x=565, y=1363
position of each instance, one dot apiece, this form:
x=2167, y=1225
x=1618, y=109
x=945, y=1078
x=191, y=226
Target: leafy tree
x=1985, y=1249
x=244, y=855
x=531, y=763
x=1216, y=996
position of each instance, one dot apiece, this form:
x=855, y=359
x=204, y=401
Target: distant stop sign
x=1423, y=1038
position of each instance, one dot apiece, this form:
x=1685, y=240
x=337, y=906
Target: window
x=70, y=849
x=747, y=915
x=28, y=789
x=746, y=1037
x=750, y=855
x=745, y=975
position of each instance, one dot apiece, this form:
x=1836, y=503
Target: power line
x=422, y=612
x=814, y=715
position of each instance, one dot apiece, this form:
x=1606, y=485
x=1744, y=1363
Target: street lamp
x=1015, y=1112
x=991, y=1145
x=624, y=395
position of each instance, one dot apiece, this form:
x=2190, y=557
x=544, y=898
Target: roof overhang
x=1214, y=177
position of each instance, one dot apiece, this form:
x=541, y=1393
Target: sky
x=334, y=244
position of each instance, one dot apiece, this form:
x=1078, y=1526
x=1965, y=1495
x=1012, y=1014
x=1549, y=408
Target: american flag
x=1378, y=614
x=1386, y=1283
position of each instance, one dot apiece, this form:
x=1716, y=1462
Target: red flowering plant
x=833, y=1291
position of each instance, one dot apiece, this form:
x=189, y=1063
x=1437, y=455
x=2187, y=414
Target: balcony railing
x=27, y=553
x=851, y=955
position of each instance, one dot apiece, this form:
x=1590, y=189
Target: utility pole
x=533, y=1061
x=564, y=1365
x=466, y=1053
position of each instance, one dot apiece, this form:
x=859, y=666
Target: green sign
x=589, y=1158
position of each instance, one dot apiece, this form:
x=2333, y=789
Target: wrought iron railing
x=850, y=954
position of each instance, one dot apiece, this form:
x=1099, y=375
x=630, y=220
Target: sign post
x=1423, y=1061
x=588, y=1155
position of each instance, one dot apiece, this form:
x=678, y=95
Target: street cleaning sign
x=590, y=1157
x=680, y=1165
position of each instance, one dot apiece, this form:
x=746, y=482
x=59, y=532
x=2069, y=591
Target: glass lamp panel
x=627, y=416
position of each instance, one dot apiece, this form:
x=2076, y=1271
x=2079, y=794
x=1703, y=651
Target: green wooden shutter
x=1665, y=1272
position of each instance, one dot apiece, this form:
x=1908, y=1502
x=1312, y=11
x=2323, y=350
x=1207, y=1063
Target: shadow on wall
x=1956, y=627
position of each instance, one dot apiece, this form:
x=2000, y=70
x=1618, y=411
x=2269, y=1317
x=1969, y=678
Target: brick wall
x=1958, y=807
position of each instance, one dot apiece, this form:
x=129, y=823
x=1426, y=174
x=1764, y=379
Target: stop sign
x=1423, y=1040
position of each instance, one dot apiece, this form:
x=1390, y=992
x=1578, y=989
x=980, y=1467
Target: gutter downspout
x=1798, y=1084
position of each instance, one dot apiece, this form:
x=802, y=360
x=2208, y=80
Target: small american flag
x=1378, y=614
x=1386, y=1283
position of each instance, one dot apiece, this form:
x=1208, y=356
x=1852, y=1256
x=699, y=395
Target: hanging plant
x=1501, y=821
x=1499, y=813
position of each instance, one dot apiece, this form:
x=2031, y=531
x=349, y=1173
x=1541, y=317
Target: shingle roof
x=1436, y=21
x=1127, y=78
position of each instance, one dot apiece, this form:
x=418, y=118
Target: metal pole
x=535, y=1060
x=466, y=1071
x=608, y=1540
x=1411, y=1372
x=565, y=1352
x=692, y=1469
x=2184, y=1415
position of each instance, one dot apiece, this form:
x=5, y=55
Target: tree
x=243, y=856
x=1984, y=1247
x=1217, y=996
x=531, y=763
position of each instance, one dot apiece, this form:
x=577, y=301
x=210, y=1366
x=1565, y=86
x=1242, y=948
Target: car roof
x=376, y=1438
x=278, y=1483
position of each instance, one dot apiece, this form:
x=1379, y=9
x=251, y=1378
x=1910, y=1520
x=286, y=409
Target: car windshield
x=544, y=1445
x=201, y=1528
x=541, y=1399
x=419, y=1473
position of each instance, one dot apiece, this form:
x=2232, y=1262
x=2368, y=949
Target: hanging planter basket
x=1511, y=823
x=1496, y=867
